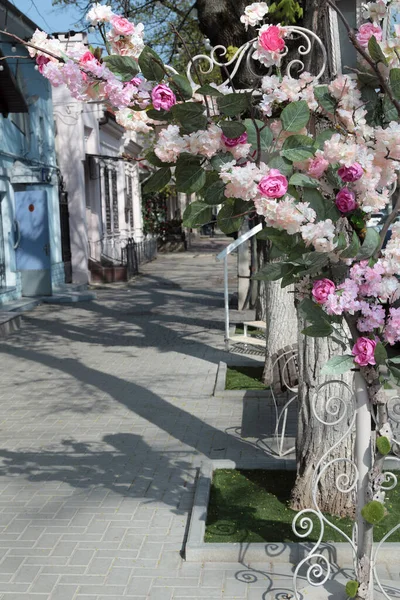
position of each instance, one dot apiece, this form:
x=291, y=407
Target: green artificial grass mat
x=253, y=506
x=244, y=378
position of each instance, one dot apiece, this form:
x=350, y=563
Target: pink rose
x=352, y=173
x=366, y=31
x=346, y=200
x=271, y=39
x=122, y=26
x=364, y=350
x=41, y=61
x=86, y=58
x=322, y=289
x=162, y=97
x=136, y=81
x=317, y=166
x=273, y=185
x=232, y=142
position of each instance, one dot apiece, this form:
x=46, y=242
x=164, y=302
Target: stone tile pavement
x=105, y=414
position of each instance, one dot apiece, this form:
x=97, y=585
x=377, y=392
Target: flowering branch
x=353, y=39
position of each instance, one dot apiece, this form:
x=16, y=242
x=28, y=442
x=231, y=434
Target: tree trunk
x=315, y=439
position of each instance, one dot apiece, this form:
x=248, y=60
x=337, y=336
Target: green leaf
x=313, y=263
x=215, y=193
x=324, y=98
x=123, y=67
x=380, y=354
x=220, y=159
x=312, y=312
x=395, y=360
x=190, y=115
x=271, y=272
x=373, y=512
x=383, y=445
x=227, y=219
x=368, y=79
x=280, y=239
x=265, y=133
x=354, y=248
x=232, y=129
x=318, y=330
x=303, y=180
x=389, y=110
x=394, y=79
x=323, y=136
x=395, y=372
x=295, y=116
x=158, y=180
x=153, y=159
x=233, y=104
x=340, y=242
x=151, y=65
x=197, y=214
x=282, y=164
x=317, y=202
x=181, y=86
x=209, y=90
x=370, y=243
x=352, y=588
x=338, y=365
x=159, y=115
x=189, y=174
x=298, y=147
x=375, y=51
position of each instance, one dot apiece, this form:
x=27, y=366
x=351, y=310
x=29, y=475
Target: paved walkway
x=106, y=412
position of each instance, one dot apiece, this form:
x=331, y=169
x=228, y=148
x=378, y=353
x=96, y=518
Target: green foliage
x=295, y=116
x=197, y=214
x=373, y=512
x=190, y=116
x=298, y=147
x=232, y=129
x=322, y=136
x=318, y=330
x=123, y=67
x=220, y=159
x=157, y=181
x=303, y=180
x=380, y=354
x=153, y=159
x=282, y=164
x=231, y=105
x=338, y=365
x=209, y=90
x=228, y=220
x=324, y=98
x=375, y=51
x=214, y=194
x=383, y=445
x=151, y=65
x=159, y=115
x=370, y=244
x=257, y=128
x=189, y=173
x=352, y=588
x=286, y=12
x=181, y=86
x=353, y=249
x=394, y=79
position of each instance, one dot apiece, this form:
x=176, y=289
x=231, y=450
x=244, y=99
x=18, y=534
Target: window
x=107, y=199
x=2, y=253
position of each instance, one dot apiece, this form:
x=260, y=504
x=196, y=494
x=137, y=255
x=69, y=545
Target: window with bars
x=114, y=189
x=130, y=201
x=2, y=252
x=107, y=199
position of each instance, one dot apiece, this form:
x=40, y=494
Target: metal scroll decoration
x=305, y=38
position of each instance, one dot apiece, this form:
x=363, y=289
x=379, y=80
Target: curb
x=196, y=550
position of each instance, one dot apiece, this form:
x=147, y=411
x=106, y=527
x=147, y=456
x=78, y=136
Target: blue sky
x=48, y=17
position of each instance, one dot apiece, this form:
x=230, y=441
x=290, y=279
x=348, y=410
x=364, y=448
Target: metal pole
x=364, y=465
x=226, y=298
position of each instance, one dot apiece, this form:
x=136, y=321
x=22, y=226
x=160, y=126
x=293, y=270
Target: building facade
x=30, y=250
x=101, y=183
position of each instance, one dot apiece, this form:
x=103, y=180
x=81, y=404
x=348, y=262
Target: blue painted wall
x=28, y=160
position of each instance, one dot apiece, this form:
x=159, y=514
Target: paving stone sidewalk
x=106, y=411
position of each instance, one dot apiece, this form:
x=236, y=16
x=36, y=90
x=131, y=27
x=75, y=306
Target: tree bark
x=313, y=438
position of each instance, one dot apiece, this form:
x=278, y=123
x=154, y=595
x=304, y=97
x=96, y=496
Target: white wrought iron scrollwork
x=306, y=40
x=330, y=412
